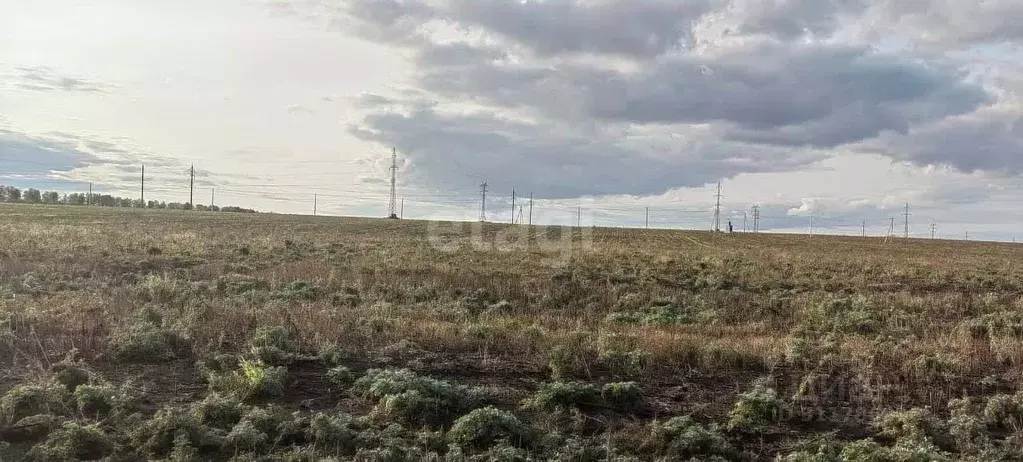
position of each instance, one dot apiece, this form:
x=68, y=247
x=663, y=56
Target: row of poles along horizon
x=396, y=209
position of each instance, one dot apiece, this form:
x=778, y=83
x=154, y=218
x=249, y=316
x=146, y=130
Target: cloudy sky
x=843, y=110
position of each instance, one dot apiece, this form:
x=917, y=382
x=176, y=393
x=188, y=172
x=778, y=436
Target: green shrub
x=624, y=396
x=340, y=377
x=1005, y=411
x=175, y=430
x=74, y=441
x=146, y=342
x=416, y=407
x=913, y=425
x=903, y=451
x=625, y=362
x=554, y=395
x=409, y=398
x=578, y=449
x=481, y=428
x=967, y=428
x=245, y=436
x=70, y=373
x=299, y=291
x=31, y=399
x=683, y=437
x=31, y=428
x=252, y=379
x=273, y=345
x=96, y=400
x=336, y=432
x=754, y=408
x=218, y=411
x=332, y=354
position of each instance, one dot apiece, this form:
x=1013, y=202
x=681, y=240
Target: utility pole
x=513, y=206
x=756, y=218
x=483, y=201
x=744, y=229
x=863, y=229
x=647, y=226
x=717, y=209
x=392, y=204
x=143, y=185
x=905, y=232
x=213, y=195
x=579, y=217
x=967, y=235
x=88, y=200
x=191, y=189
x=934, y=227
x=402, y=215
x=891, y=229
x=316, y=198
x=530, y=209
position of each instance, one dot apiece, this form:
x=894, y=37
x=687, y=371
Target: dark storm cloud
x=784, y=78
x=793, y=19
x=990, y=140
x=462, y=149
x=808, y=95
x=640, y=28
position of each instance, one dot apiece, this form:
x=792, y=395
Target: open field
x=142, y=335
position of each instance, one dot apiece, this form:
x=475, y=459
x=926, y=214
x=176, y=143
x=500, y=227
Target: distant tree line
x=34, y=196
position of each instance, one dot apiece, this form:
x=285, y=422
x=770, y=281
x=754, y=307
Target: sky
x=835, y=112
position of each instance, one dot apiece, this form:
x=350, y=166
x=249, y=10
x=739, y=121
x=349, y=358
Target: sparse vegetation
x=195, y=336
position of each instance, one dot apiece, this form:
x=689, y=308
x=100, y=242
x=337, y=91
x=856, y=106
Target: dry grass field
x=161, y=335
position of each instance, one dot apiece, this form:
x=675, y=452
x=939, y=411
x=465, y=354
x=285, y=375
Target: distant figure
x=729, y=226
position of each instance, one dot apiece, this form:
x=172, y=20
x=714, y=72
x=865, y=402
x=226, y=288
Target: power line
x=756, y=218
x=191, y=188
x=483, y=201
x=905, y=232
x=391, y=212
x=717, y=209
x=530, y=209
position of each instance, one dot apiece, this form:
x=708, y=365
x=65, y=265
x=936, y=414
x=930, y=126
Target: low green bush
x=96, y=400
x=70, y=373
x=252, y=379
x=682, y=437
x=146, y=341
x=555, y=395
x=74, y=441
x=31, y=399
x=623, y=396
x=340, y=377
x=403, y=396
x=273, y=345
x=482, y=428
x=755, y=407
x=334, y=432
x=31, y=428
x=219, y=411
